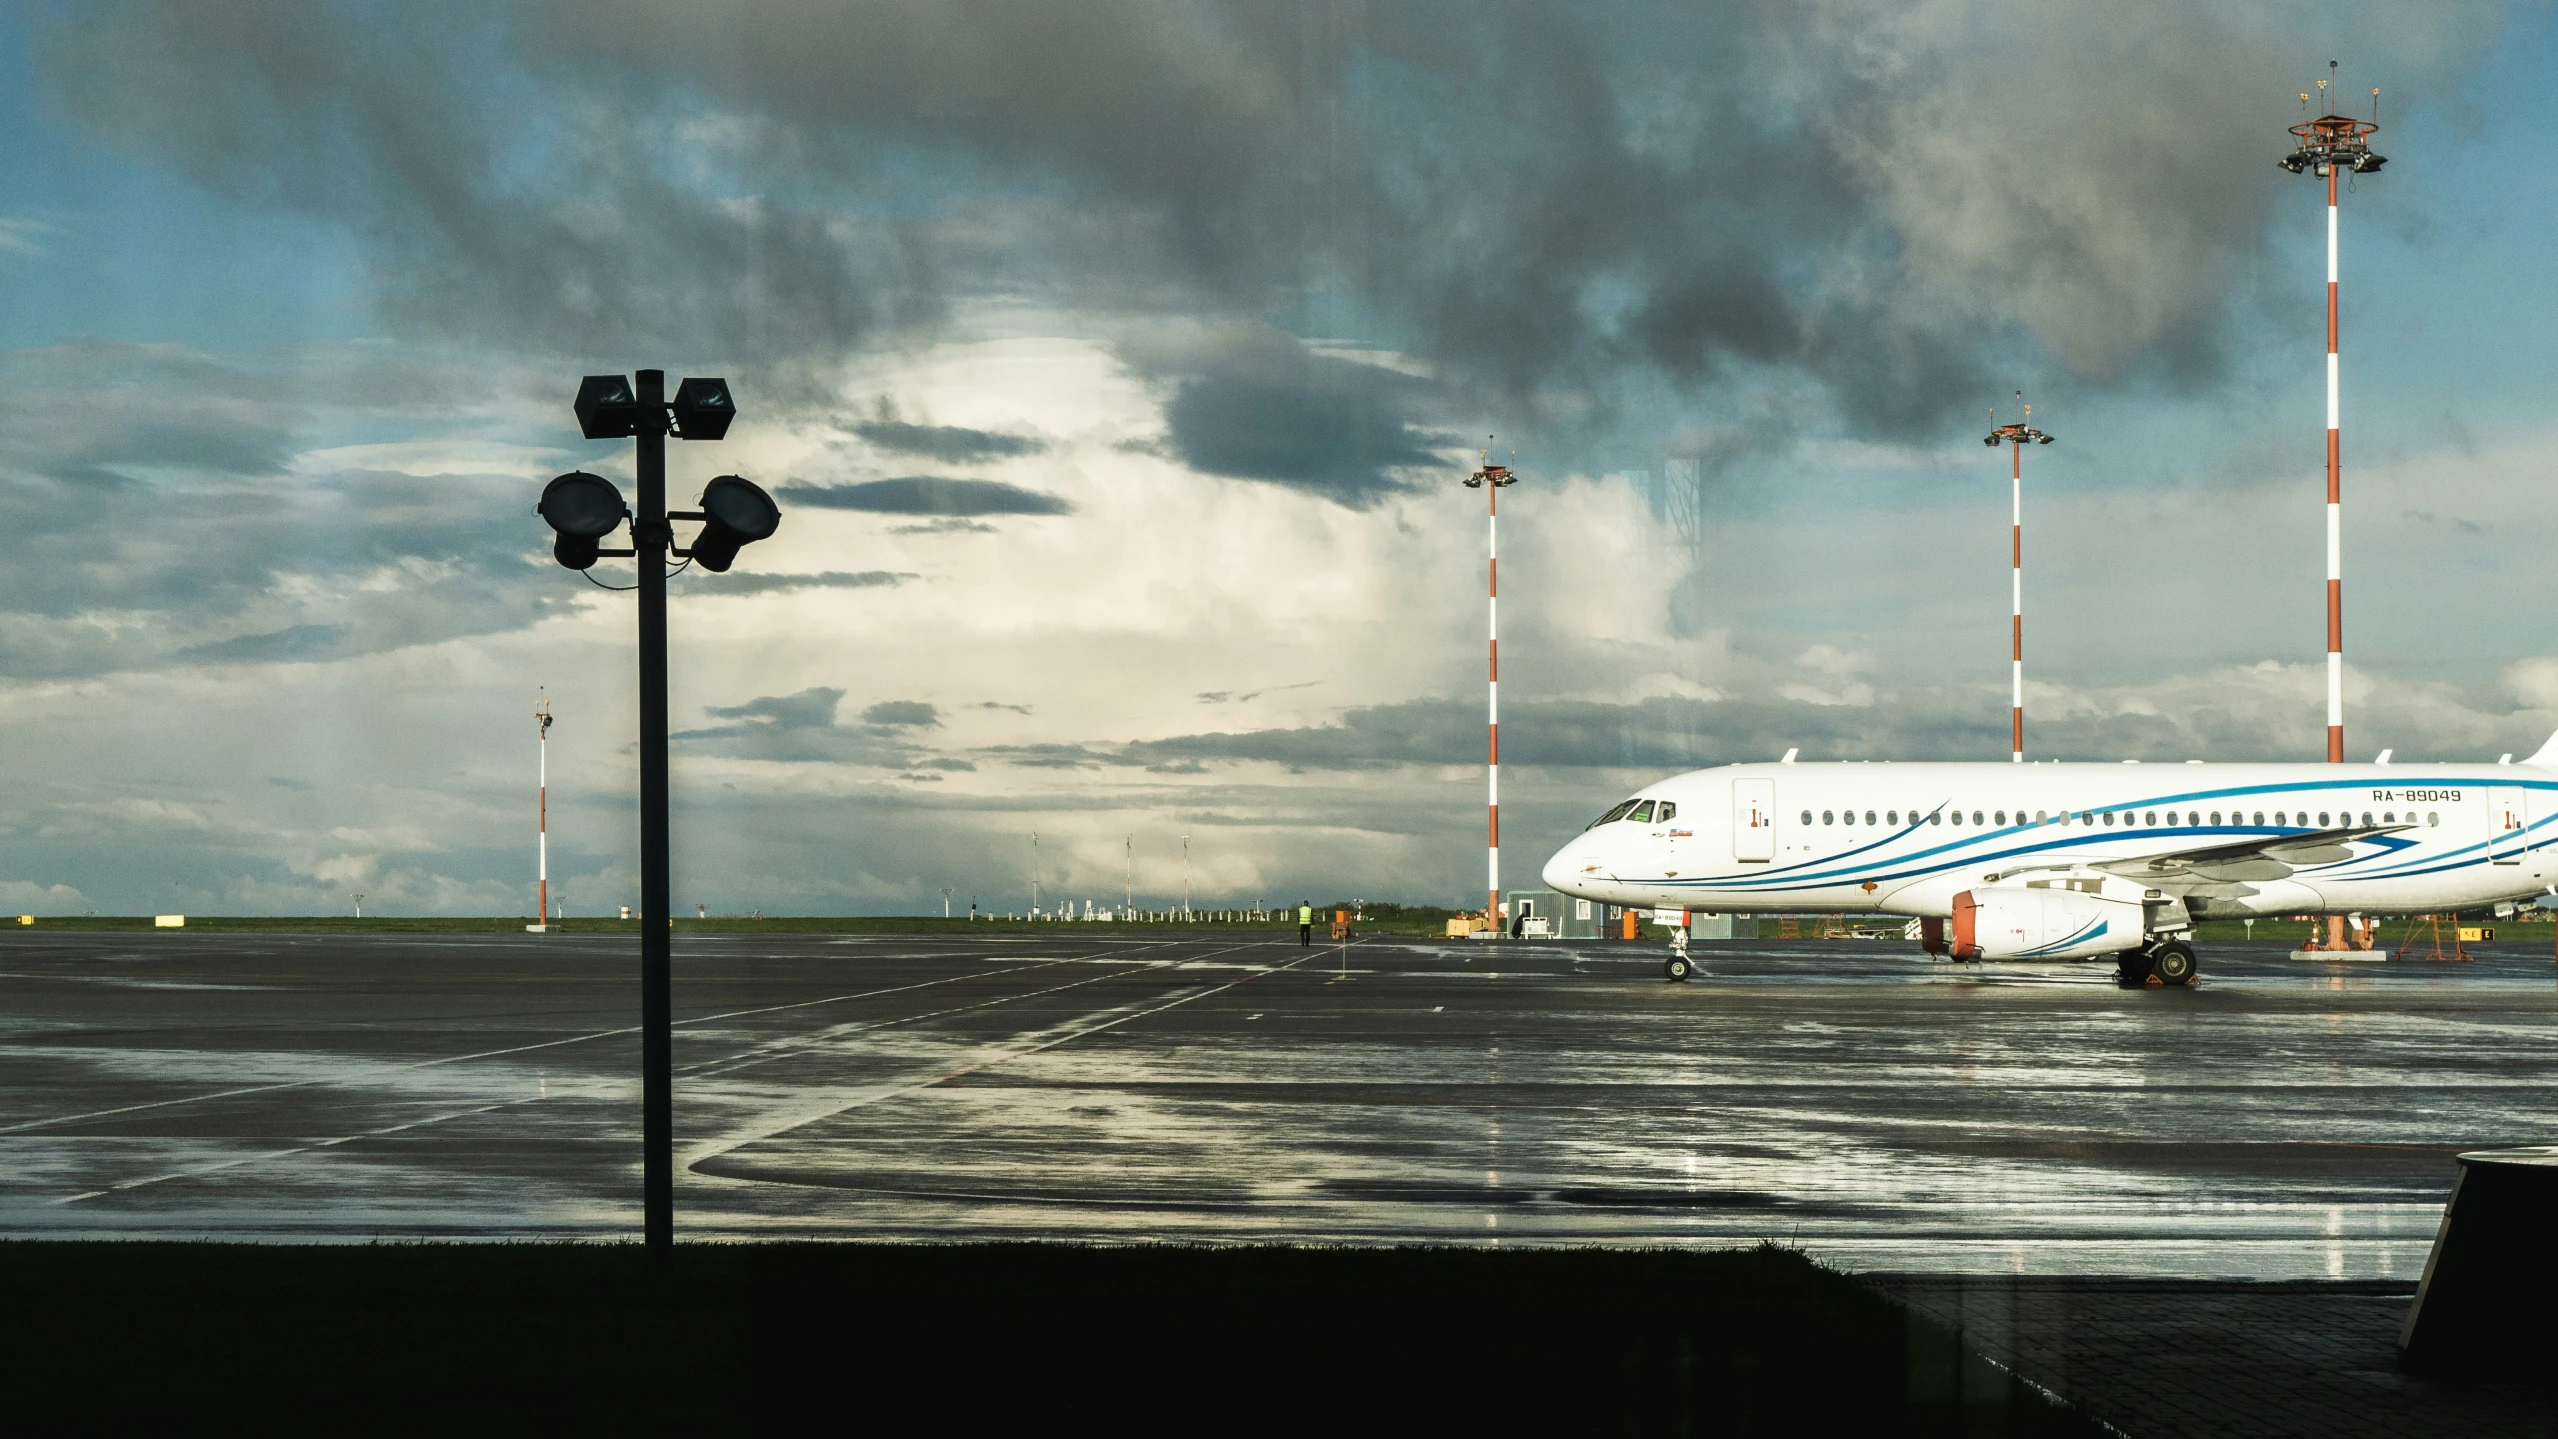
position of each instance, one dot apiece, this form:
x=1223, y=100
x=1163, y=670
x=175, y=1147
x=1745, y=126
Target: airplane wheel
x=2131, y=968
x=2174, y=963
x=1678, y=967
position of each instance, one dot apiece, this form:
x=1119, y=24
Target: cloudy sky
x=1117, y=364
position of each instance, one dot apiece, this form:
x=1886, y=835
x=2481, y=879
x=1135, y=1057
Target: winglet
x=2547, y=755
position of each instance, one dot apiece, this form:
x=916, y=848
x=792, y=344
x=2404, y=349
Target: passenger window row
x=2195, y=819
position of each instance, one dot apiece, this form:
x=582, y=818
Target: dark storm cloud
x=801, y=729
x=902, y=713
x=155, y=481
x=104, y=414
x=1676, y=734
x=1052, y=756
x=927, y=495
x=1253, y=404
x=812, y=708
x=949, y=444
x=295, y=642
x=1539, y=202
x=546, y=227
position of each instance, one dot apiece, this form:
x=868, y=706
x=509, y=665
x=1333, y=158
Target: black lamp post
x=582, y=510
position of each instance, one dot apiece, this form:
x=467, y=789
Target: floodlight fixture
x=2335, y=140
x=702, y=409
x=581, y=510
x=606, y=407
x=735, y=513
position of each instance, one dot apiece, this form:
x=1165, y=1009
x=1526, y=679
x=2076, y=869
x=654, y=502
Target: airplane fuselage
x=1908, y=839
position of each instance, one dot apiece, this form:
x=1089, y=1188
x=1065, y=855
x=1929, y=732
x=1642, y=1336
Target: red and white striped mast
x=542, y=824
x=2330, y=143
x=2016, y=436
x=1492, y=479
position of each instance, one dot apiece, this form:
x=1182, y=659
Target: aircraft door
x=1754, y=820
x=2507, y=821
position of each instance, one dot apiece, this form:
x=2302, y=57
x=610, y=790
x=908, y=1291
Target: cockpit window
x=1642, y=812
x=1612, y=816
x=1663, y=814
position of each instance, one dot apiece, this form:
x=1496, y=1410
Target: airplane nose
x=1560, y=871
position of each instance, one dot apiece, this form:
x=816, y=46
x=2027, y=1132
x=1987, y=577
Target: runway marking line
x=30, y=1124
x=197, y=1171
x=801, y=1115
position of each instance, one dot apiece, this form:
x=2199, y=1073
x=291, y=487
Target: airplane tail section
x=2546, y=756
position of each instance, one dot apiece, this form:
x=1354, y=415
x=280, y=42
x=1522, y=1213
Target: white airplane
x=2074, y=861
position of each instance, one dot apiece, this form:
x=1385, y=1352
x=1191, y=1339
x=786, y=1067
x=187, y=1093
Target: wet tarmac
x=2281, y=1121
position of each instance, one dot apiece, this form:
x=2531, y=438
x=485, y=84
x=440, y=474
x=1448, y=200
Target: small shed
x=1544, y=914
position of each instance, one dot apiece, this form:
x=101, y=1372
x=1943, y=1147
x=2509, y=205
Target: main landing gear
x=2158, y=964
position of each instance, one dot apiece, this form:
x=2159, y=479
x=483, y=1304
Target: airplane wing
x=2225, y=870
x=2272, y=857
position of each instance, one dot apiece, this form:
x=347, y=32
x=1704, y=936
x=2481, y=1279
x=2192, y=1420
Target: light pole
x=582, y=510
x=2016, y=436
x=542, y=822
x=2330, y=143
x=1185, y=877
x=1034, y=872
x=1492, y=479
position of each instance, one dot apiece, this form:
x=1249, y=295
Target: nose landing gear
x=1678, y=968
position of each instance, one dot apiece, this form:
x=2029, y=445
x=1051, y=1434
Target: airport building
x=1545, y=914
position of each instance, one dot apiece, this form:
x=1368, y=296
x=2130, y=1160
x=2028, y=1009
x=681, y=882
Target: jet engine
x=2043, y=924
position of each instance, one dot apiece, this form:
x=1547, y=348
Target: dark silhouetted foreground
x=966, y=1338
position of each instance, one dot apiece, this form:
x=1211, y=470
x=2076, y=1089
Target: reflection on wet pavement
x=1884, y=1111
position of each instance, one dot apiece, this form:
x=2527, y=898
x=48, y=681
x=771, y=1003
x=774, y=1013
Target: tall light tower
x=2016, y=436
x=542, y=823
x=2328, y=144
x=1492, y=479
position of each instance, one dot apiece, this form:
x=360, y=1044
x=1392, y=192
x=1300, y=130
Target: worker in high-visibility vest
x=1305, y=923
